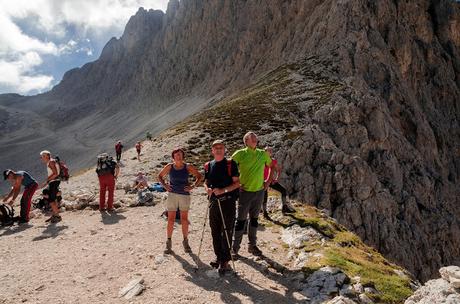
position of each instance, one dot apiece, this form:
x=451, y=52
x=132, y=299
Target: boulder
x=132, y=289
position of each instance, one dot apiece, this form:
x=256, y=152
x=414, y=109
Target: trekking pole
x=202, y=232
x=226, y=234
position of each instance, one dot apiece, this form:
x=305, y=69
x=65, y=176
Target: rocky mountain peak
x=362, y=100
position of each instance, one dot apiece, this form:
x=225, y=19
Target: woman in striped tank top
x=178, y=189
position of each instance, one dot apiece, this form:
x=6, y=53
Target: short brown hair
x=177, y=150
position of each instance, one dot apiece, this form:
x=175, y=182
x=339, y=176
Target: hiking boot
x=168, y=249
x=214, y=264
x=55, y=219
x=111, y=210
x=225, y=267
x=186, y=246
x=287, y=209
x=22, y=221
x=254, y=250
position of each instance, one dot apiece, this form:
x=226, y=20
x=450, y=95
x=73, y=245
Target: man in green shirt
x=251, y=163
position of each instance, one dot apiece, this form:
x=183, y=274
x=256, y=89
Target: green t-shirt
x=251, y=164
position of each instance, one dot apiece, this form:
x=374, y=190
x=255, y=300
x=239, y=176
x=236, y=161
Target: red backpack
x=63, y=169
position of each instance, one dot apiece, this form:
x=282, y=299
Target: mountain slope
x=377, y=144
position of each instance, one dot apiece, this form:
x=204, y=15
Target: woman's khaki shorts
x=175, y=201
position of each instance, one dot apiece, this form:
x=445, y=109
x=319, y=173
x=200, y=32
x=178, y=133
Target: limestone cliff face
x=383, y=156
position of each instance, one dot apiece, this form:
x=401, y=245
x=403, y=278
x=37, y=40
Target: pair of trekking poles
x=225, y=230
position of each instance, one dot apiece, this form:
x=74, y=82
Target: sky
x=42, y=39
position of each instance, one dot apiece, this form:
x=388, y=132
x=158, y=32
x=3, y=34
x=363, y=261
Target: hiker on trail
x=107, y=171
x=138, y=150
x=178, y=189
x=18, y=179
x=275, y=185
x=118, y=150
x=251, y=163
x=221, y=184
x=52, y=183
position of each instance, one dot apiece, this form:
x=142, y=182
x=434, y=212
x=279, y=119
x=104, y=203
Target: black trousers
x=219, y=240
x=278, y=187
x=118, y=156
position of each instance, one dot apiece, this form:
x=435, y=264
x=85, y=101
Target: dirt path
x=89, y=256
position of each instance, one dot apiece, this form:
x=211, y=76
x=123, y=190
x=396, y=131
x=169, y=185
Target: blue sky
x=42, y=39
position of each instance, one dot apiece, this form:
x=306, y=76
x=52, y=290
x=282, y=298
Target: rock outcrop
x=443, y=290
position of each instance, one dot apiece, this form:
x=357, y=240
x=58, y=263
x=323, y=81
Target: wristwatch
x=225, y=190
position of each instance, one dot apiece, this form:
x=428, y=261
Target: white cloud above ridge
x=67, y=26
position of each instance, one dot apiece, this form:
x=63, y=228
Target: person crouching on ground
x=222, y=185
x=52, y=183
x=178, y=189
x=140, y=184
x=18, y=179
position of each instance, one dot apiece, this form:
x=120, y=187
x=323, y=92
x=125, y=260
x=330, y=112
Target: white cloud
x=86, y=15
x=73, y=21
x=13, y=39
x=18, y=76
x=67, y=48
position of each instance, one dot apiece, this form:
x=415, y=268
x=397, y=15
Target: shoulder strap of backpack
x=229, y=167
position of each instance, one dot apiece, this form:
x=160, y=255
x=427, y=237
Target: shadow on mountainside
x=228, y=285
x=51, y=231
x=14, y=229
x=111, y=218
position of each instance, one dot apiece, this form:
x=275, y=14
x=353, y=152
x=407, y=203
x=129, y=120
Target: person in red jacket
x=118, y=150
x=107, y=171
x=138, y=150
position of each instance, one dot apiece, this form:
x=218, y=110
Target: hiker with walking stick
x=222, y=184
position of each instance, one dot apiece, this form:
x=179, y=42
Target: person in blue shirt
x=18, y=179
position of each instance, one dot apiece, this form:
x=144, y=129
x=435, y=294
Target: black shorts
x=53, y=189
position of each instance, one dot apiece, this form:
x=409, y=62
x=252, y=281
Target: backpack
x=63, y=169
x=105, y=164
x=235, y=194
x=6, y=215
x=229, y=167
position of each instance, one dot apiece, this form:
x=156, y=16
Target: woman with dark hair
x=178, y=189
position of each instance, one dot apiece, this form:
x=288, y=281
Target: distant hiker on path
x=251, y=163
x=107, y=172
x=118, y=150
x=275, y=185
x=178, y=189
x=18, y=179
x=221, y=183
x=52, y=183
x=138, y=150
